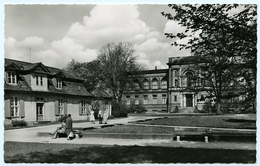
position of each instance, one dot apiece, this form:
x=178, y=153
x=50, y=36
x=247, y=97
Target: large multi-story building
x=35, y=92
x=164, y=89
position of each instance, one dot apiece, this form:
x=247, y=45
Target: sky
x=56, y=34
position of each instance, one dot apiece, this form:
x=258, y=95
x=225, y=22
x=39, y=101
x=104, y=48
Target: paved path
x=29, y=135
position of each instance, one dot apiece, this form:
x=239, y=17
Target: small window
x=83, y=107
x=164, y=98
x=146, y=84
x=154, y=99
x=11, y=77
x=175, y=98
x=145, y=99
x=61, y=106
x=14, y=106
x=176, y=83
x=39, y=80
x=59, y=83
x=155, y=83
x=164, y=83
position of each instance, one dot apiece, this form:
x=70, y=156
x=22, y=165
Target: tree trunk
x=219, y=109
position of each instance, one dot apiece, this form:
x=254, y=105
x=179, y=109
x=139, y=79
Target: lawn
x=247, y=122
x=18, y=152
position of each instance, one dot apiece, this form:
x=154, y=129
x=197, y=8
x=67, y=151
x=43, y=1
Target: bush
x=16, y=123
x=62, y=118
x=136, y=108
x=119, y=109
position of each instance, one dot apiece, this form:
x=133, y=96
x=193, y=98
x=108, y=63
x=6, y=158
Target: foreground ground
x=17, y=152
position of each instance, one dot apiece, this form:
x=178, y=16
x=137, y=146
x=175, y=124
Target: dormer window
x=39, y=80
x=59, y=83
x=11, y=77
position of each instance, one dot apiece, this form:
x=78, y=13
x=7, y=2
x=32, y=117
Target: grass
x=18, y=152
x=132, y=129
x=206, y=121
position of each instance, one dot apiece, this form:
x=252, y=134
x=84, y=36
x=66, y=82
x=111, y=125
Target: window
x=164, y=83
x=127, y=100
x=136, y=85
x=176, y=72
x=164, y=99
x=11, y=77
x=175, y=82
x=59, y=83
x=154, y=99
x=83, y=107
x=155, y=83
x=136, y=99
x=39, y=80
x=14, y=106
x=61, y=106
x=146, y=84
x=145, y=99
x=175, y=98
x=189, y=79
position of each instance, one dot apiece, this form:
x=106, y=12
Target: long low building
x=35, y=92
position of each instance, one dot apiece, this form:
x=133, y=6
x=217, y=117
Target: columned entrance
x=189, y=100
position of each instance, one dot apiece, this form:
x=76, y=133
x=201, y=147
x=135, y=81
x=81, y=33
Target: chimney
x=155, y=67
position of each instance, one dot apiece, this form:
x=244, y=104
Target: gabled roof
x=12, y=66
x=29, y=67
x=71, y=86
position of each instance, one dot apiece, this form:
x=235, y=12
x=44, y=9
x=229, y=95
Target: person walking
x=105, y=117
x=92, y=117
x=68, y=126
x=100, y=116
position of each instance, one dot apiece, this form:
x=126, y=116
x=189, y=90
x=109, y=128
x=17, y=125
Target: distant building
x=178, y=86
x=153, y=93
x=35, y=92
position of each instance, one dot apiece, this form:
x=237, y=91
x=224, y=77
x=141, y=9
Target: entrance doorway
x=39, y=111
x=189, y=100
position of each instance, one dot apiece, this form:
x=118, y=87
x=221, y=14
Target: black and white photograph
x=130, y=83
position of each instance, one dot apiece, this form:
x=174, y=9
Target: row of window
x=145, y=99
x=155, y=84
x=12, y=79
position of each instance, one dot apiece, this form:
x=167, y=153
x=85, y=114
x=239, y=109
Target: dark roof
x=150, y=71
x=186, y=60
x=21, y=85
x=26, y=66
x=70, y=86
x=100, y=93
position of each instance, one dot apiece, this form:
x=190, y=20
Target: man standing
x=68, y=126
x=100, y=116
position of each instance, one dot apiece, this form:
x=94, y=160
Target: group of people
x=102, y=116
x=66, y=125
x=65, y=128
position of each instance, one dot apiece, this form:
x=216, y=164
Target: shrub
x=62, y=118
x=16, y=123
x=119, y=109
x=110, y=117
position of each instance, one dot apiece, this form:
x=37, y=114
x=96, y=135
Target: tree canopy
x=225, y=34
x=110, y=71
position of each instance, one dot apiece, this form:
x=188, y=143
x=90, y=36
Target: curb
x=118, y=135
